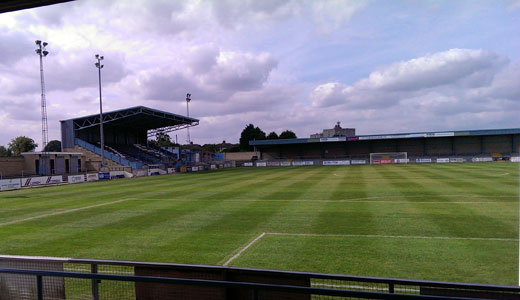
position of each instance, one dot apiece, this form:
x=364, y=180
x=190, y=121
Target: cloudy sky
x=378, y=66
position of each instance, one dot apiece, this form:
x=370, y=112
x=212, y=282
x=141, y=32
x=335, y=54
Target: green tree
x=4, y=151
x=232, y=149
x=53, y=146
x=212, y=148
x=248, y=134
x=287, y=135
x=21, y=144
x=162, y=139
x=272, y=136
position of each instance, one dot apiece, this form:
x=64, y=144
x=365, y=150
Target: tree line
x=251, y=133
x=26, y=144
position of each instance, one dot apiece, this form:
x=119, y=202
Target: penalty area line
x=241, y=250
x=60, y=212
x=394, y=236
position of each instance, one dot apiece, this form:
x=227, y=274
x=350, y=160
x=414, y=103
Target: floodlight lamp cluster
x=99, y=59
x=188, y=97
x=41, y=48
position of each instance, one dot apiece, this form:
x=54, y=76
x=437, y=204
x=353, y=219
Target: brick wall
x=12, y=166
x=92, y=160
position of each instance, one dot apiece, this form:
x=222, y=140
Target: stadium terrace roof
x=388, y=136
x=138, y=117
x=12, y=5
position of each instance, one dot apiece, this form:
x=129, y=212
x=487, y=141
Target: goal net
x=389, y=158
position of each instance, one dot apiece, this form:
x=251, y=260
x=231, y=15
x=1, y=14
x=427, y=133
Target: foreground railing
x=60, y=278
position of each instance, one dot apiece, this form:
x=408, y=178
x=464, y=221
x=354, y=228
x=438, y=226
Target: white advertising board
x=409, y=135
x=285, y=164
x=481, y=159
x=95, y=176
x=154, y=171
x=273, y=163
x=401, y=161
x=171, y=170
x=42, y=180
x=76, y=178
x=443, y=160
x=515, y=159
x=333, y=139
x=261, y=164
x=303, y=163
x=194, y=169
x=213, y=167
x=10, y=184
x=336, y=162
x=55, y=179
x=248, y=164
x=358, y=161
x=457, y=160
x=35, y=181
x=423, y=160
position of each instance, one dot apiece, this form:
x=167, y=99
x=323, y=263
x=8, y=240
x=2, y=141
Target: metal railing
x=109, y=155
x=62, y=278
x=255, y=289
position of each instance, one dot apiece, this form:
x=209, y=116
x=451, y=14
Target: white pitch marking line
x=244, y=249
x=496, y=175
x=61, y=212
x=338, y=201
x=393, y=236
x=367, y=199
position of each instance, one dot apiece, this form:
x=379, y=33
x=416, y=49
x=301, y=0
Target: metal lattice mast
x=188, y=99
x=45, y=128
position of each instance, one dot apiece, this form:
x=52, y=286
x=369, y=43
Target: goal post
x=389, y=158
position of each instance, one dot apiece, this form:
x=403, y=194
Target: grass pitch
x=452, y=222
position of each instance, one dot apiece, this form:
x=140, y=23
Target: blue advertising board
x=104, y=175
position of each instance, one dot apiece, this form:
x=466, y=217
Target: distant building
x=336, y=131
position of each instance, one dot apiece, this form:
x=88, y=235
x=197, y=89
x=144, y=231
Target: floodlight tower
x=188, y=99
x=101, y=134
x=42, y=52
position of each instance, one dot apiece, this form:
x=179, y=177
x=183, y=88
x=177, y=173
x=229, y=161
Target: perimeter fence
x=42, y=278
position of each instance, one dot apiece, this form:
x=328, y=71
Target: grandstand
x=497, y=143
x=126, y=133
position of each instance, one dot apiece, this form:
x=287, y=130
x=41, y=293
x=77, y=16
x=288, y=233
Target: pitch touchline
x=61, y=212
x=243, y=249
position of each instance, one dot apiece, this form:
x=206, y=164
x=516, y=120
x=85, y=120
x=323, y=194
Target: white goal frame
x=389, y=158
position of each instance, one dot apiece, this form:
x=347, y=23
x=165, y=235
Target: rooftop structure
x=336, y=131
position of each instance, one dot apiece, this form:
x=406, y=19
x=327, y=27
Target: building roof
x=12, y=5
x=52, y=153
x=138, y=117
x=434, y=134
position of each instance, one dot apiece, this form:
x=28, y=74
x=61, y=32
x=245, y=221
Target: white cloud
x=458, y=88
x=448, y=73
